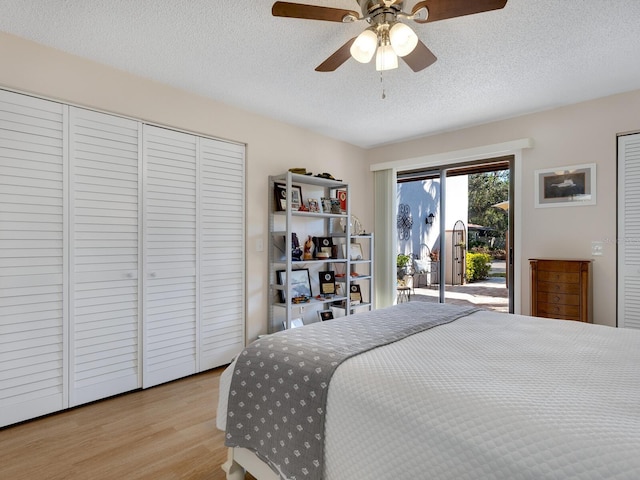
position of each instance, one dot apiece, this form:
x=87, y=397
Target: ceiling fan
x=387, y=37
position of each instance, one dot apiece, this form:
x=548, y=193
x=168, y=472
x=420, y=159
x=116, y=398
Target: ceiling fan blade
x=312, y=12
x=443, y=9
x=420, y=58
x=338, y=58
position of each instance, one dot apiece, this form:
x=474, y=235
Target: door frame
x=385, y=260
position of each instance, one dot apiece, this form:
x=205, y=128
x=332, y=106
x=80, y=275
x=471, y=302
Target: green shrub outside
x=478, y=266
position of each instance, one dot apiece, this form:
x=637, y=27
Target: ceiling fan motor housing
x=378, y=12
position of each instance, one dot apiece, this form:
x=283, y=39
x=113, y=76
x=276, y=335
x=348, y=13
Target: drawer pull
x=557, y=287
x=556, y=298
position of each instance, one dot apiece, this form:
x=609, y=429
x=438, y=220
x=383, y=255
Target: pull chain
x=384, y=95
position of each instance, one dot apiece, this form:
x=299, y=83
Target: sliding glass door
x=455, y=224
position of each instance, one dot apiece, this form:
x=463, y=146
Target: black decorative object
x=404, y=222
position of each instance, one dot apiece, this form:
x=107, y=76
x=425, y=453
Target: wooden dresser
x=561, y=289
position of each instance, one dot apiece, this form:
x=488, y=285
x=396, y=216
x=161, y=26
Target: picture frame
x=324, y=315
x=569, y=186
x=300, y=283
x=280, y=193
x=295, y=323
x=314, y=205
x=355, y=251
x=325, y=203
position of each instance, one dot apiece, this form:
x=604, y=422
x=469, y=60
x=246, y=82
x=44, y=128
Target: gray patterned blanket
x=277, y=399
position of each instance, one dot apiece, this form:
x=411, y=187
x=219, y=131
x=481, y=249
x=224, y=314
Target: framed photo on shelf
x=300, y=283
x=325, y=315
x=314, y=205
x=355, y=251
x=280, y=192
x=566, y=186
x=355, y=295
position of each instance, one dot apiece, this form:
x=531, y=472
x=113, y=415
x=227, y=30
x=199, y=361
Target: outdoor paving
x=491, y=293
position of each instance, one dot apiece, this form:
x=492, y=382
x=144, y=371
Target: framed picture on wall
x=566, y=186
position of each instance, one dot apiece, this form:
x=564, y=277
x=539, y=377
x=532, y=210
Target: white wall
x=272, y=147
x=576, y=134
x=424, y=198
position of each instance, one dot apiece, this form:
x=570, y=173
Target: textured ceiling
x=532, y=55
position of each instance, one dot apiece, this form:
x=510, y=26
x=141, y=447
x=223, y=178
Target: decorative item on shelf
x=300, y=285
x=335, y=206
x=323, y=247
x=328, y=176
x=355, y=295
x=355, y=225
x=295, y=323
x=327, y=283
x=325, y=315
x=355, y=251
x=303, y=208
x=342, y=197
x=300, y=171
x=314, y=205
x=326, y=204
x=308, y=249
x=280, y=192
x=296, y=251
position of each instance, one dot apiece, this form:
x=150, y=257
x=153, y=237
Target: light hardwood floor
x=163, y=433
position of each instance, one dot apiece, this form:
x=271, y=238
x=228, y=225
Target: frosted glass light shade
x=403, y=39
x=386, y=58
x=365, y=46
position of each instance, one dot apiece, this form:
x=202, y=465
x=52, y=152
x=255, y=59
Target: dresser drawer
x=558, y=298
x=558, y=266
x=566, y=288
x=570, y=312
x=559, y=277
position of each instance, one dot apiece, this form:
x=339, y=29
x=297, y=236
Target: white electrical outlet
x=597, y=249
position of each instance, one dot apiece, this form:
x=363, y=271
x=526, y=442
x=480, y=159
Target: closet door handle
x=152, y=275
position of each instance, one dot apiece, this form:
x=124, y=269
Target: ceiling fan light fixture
x=403, y=39
x=386, y=58
x=365, y=46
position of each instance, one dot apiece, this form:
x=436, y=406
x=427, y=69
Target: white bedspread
x=489, y=396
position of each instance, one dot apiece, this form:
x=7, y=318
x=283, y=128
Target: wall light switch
x=597, y=249
x=259, y=245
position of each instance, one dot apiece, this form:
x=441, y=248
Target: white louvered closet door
x=32, y=258
x=105, y=155
x=170, y=270
x=629, y=231
x=222, y=252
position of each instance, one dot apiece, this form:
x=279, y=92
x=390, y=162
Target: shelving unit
x=282, y=224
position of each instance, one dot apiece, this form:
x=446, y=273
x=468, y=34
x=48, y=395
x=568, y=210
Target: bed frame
x=240, y=460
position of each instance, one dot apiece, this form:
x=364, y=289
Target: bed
x=484, y=395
